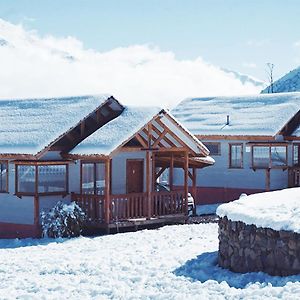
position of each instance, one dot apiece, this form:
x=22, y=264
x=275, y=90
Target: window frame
x=270, y=166
x=82, y=162
x=293, y=155
x=214, y=143
x=242, y=155
x=36, y=166
x=6, y=186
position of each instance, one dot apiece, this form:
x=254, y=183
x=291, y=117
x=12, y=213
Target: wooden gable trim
x=236, y=137
x=290, y=126
x=80, y=129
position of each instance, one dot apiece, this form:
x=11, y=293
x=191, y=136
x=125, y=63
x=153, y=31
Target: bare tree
x=270, y=68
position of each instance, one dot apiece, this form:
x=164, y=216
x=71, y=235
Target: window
x=41, y=179
x=236, y=156
x=296, y=154
x=3, y=176
x=269, y=156
x=93, y=178
x=214, y=148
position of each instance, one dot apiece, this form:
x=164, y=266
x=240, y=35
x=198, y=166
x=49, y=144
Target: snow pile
x=63, y=220
x=288, y=83
x=278, y=210
x=169, y=263
x=28, y=125
x=248, y=115
x=113, y=134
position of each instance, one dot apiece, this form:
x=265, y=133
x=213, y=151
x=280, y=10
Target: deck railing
x=294, y=177
x=92, y=205
x=132, y=206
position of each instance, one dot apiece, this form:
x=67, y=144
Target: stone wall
x=247, y=248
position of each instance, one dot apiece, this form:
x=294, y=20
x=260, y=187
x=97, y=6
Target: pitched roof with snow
x=29, y=125
x=248, y=115
x=114, y=133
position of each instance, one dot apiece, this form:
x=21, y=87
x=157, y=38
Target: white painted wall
x=219, y=175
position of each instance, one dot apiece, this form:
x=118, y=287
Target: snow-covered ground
x=174, y=262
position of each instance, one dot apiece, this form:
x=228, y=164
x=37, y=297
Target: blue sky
x=239, y=35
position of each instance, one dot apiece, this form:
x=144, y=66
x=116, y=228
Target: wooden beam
x=153, y=173
x=268, y=179
x=148, y=184
x=171, y=174
x=194, y=188
x=158, y=133
x=236, y=137
x=159, y=138
x=150, y=136
x=107, y=192
x=141, y=140
x=186, y=178
x=160, y=172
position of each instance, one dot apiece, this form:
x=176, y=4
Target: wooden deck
x=134, y=210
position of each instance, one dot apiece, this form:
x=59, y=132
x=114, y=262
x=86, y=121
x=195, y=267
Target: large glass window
x=93, y=178
x=236, y=156
x=214, y=148
x=296, y=154
x=261, y=156
x=278, y=156
x=3, y=176
x=26, y=179
x=269, y=156
x=50, y=179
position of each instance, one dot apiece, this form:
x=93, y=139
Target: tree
x=270, y=68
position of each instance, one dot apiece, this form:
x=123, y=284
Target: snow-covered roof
x=278, y=210
x=28, y=125
x=248, y=115
x=113, y=134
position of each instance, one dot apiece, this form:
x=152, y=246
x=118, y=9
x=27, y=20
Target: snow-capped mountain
x=244, y=78
x=288, y=83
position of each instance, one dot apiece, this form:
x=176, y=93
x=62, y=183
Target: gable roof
x=258, y=115
x=29, y=125
x=131, y=121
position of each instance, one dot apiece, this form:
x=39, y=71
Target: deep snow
x=174, y=262
x=278, y=210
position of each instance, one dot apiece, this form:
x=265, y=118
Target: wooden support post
x=148, y=184
x=186, y=178
x=153, y=173
x=107, y=192
x=171, y=172
x=195, y=184
x=268, y=179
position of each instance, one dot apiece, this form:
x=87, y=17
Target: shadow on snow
x=205, y=267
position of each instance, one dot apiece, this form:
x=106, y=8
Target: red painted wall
x=212, y=195
x=12, y=231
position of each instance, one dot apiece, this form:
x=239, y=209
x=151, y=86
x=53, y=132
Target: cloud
x=249, y=65
x=257, y=43
x=35, y=66
x=296, y=44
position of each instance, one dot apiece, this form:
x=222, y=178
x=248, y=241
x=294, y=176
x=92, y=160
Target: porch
x=134, y=209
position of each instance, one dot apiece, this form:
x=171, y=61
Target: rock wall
x=247, y=248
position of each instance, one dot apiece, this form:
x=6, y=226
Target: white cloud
x=34, y=66
x=257, y=43
x=297, y=44
x=249, y=65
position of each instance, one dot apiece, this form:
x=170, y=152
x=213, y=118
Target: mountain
x=288, y=83
x=245, y=78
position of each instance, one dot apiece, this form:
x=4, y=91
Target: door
x=135, y=176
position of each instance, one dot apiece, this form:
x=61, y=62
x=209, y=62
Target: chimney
x=227, y=120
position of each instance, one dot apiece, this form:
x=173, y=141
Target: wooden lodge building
x=254, y=140
x=98, y=153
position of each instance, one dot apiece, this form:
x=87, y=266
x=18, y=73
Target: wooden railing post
x=148, y=184
x=107, y=192
x=186, y=178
